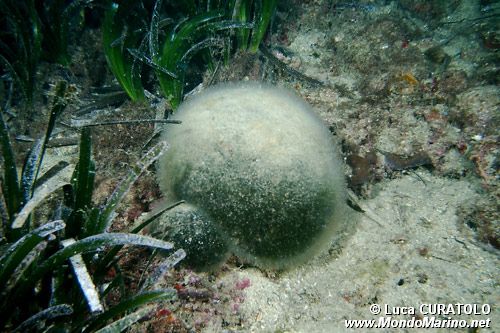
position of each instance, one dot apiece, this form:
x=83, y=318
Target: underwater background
x=409, y=89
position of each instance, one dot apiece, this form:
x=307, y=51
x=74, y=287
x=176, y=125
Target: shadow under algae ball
x=260, y=173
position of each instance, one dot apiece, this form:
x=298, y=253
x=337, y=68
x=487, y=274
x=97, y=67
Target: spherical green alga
x=263, y=169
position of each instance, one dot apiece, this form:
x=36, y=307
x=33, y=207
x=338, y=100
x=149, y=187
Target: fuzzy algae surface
x=261, y=174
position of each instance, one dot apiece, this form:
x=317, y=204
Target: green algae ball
x=192, y=230
x=264, y=170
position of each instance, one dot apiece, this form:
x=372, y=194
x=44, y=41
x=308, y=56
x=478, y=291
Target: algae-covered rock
x=192, y=230
x=262, y=167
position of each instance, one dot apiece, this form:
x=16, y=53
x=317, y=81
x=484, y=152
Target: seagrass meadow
x=157, y=175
